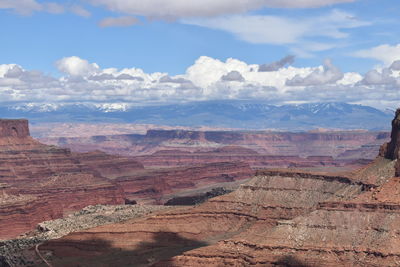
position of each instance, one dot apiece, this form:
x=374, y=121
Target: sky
x=138, y=52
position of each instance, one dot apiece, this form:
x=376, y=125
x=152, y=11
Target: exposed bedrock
x=266, y=199
x=40, y=182
x=14, y=128
x=391, y=150
x=150, y=186
x=343, y=145
x=359, y=232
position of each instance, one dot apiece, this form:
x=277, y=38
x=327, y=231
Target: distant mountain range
x=229, y=114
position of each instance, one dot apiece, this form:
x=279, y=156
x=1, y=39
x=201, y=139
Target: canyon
x=260, y=149
x=37, y=179
x=280, y=217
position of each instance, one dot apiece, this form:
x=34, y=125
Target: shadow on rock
x=291, y=261
x=102, y=253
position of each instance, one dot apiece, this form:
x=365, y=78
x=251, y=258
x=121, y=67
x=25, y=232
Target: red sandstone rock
x=43, y=177
x=14, y=128
x=351, y=145
x=279, y=218
x=265, y=200
x=44, y=182
x=392, y=150
x=150, y=186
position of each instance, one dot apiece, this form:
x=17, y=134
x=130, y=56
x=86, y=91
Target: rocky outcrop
x=391, y=150
x=264, y=201
x=14, y=128
x=44, y=182
x=157, y=185
x=196, y=199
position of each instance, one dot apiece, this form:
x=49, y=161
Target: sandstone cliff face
x=154, y=185
x=393, y=147
x=264, y=201
x=48, y=182
x=14, y=128
x=43, y=182
x=349, y=145
x=172, y=158
x=391, y=150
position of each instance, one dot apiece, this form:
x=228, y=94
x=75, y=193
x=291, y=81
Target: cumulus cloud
x=274, y=66
x=384, y=53
x=168, y=79
x=118, y=22
x=395, y=65
x=76, y=66
x=233, y=76
x=389, y=77
x=173, y=9
x=206, y=79
x=328, y=74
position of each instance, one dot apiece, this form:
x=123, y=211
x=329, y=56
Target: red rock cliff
x=391, y=150
x=14, y=128
x=40, y=182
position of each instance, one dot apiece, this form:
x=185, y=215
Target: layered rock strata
x=348, y=145
x=362, y=231
x=265, y=200
x=152, y=185
x=41, y=178
x=391, y=150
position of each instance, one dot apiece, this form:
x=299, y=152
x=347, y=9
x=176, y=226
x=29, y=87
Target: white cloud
x=80, y=11
x=23, y=7
x=27, y=7
x=304, y=3
x=298, y=33
x=327, y=74
x=118, y=22
x=384, y=53
x=76, y=66
x=206, y=79
x=173, y=9
x=233, y=76
x=274, y=66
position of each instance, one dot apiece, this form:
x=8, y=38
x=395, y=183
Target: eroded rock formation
x=391, y=150
x=343, y=145
x=40, y=182
x=278, y=218
x=14, y=128
x=43, y=182
x=265, y=200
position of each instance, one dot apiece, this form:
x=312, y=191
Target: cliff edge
x=391, y=150
x=14, y=128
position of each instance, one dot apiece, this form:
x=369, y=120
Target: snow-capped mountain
x=231, y=114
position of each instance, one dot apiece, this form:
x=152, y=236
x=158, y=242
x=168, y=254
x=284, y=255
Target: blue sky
x=170, y=36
